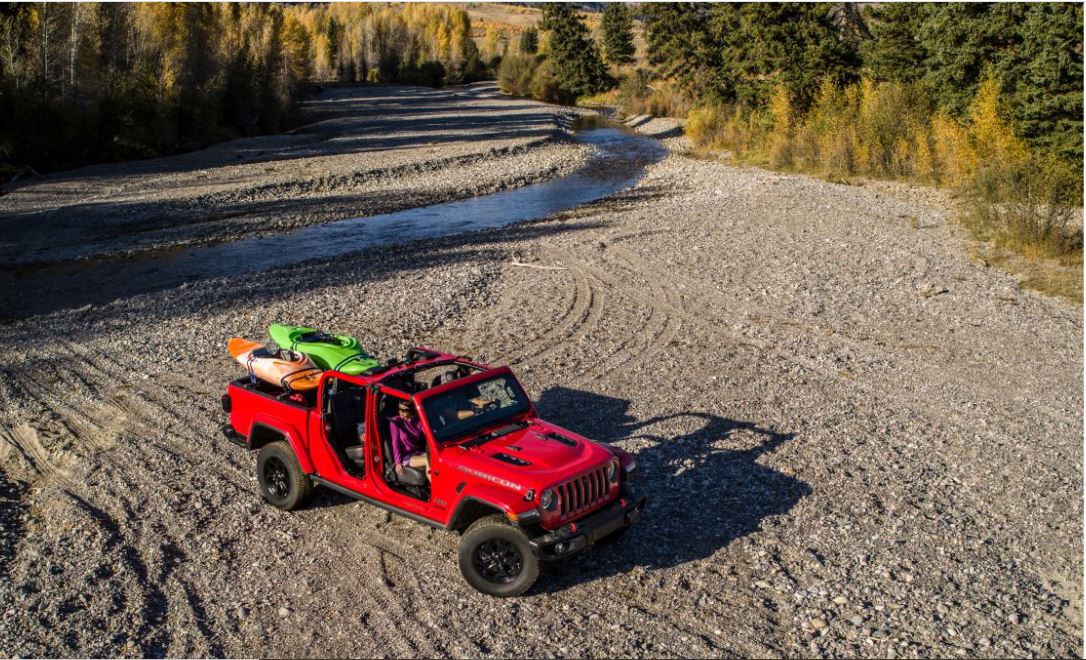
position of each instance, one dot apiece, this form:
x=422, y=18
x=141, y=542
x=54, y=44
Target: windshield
x=469, y=407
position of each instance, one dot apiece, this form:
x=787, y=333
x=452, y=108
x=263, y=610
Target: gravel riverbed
x=858, y=440
x=368, y=150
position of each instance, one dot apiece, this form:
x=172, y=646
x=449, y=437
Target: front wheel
x=496, y=559
x=282, y=482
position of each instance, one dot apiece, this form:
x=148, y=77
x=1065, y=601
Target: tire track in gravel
x=659, y=329
x=515, y=298
x=941, y=376
x=77, y=396
x=589, y=308
x=414, y=552
x=584, y=313
x=392, y=605
x=185, y=424
x=165, y=596
x=417, y=643
x=861, y=345
x=154, y=603
x=25, y=440
x=181, y=604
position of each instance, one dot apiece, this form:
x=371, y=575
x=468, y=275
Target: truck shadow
x=706, y=487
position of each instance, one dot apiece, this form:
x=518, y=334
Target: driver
x=461, y=406
x=408, y=445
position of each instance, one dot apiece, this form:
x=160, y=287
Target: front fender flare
x=483, y=495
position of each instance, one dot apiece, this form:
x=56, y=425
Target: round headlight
x=547, y=500
x=612, y=471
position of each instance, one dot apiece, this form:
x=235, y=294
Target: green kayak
x=336, y=352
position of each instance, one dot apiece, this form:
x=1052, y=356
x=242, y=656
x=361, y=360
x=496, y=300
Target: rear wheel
x=282, y=482
x=496, y=559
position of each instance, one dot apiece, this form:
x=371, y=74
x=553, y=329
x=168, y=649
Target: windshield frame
x=472, y=430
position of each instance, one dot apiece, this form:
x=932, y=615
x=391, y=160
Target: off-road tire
x=482, y=540
x=282, y=482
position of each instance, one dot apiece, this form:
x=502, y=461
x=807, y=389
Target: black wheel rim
x=276, y=479
x=498, y=560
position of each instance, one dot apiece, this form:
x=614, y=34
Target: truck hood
x=537, y=456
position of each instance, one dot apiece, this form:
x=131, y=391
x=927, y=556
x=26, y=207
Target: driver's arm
x=477, y=403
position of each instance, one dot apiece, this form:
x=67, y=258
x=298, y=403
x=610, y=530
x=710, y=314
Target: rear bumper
x=579, y=534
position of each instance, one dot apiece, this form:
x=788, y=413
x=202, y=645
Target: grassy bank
x=1020, y=202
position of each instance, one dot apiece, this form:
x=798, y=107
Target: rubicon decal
x=491, y=478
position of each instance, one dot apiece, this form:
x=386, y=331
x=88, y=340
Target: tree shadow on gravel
x=703, y=494
x=62, y=288
x=13, y=508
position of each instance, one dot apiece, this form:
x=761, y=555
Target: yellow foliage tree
x=993, y=138
x=954, y=151
x=780, y=138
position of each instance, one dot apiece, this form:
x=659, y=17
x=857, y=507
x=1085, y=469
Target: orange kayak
x=287, y=369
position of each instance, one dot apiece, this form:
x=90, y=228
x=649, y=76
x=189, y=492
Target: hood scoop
x=569, y=442
x=496, y=433
x=512, y=460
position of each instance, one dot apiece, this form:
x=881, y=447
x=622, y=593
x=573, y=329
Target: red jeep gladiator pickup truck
x=519, y=490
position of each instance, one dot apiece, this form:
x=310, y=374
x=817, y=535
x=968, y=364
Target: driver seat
x=411, y=476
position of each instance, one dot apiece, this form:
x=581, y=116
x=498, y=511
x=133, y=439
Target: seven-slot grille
x=583, y=493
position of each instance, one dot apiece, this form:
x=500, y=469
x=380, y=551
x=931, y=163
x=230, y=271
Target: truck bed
x=264, y=404
x=263, y=388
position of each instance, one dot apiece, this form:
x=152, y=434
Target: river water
x=620, y=159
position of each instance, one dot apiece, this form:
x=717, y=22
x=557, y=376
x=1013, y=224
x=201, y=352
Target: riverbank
x=372, y=149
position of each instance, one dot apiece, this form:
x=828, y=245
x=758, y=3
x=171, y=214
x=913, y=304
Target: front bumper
x=579, y=534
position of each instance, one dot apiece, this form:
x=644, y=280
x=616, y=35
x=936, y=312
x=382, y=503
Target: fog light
x=560, y=548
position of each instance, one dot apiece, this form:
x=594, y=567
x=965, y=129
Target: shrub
x=515, y=74
x=887, y=118
x=545, y=85
x=430, y=73
x=925, y=169
x=703, y=126
x=1027, y=204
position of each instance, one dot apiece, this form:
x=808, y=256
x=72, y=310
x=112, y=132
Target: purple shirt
x=406, y=439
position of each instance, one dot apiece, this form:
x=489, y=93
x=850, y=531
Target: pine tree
x=678, y=39
x=895, y=52
x=574, y=56
x=797, y=45
x=529, y=41
x=962, y=41
x=617, y=38
x=1045, y=82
